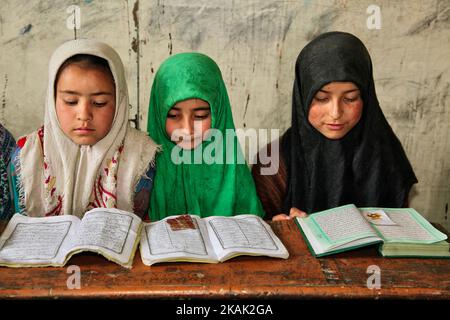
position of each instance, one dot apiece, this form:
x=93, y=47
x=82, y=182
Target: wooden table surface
x=340, y=276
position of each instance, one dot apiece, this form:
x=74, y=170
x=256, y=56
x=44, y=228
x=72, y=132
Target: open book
x=400, y=232
x=115, y=234
x=51, y=241
x=212, y=239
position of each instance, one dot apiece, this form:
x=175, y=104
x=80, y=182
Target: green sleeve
x=14, y=183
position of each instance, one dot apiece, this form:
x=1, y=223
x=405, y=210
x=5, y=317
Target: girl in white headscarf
x=86, y=155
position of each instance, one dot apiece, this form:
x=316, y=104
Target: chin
x=335, y=135
x=84, y=141
x=188, y=146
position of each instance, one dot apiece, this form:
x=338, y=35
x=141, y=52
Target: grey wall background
x=255, y=43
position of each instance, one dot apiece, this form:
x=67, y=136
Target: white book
x=211, y=240
x=115, y=234
x=52, y=241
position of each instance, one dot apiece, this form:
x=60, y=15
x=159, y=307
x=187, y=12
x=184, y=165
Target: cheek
x=64, y=116
x=170, y=127
x=354, y=115
x=104, y=119
x=206, y=125
x=315, y=115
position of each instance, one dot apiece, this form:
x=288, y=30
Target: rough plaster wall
x=255, y=43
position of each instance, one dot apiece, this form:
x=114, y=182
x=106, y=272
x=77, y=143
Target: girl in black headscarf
x=340, y=149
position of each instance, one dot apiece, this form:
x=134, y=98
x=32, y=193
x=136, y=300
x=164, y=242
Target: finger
x=294, y=212
x=280, y=217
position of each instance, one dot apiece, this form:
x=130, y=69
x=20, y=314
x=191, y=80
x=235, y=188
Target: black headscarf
x=368, y=166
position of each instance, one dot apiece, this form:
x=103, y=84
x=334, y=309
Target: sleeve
x=7, y=148
x=271, y=188
x=143, y=191
x=6, y=208
x=14, y=181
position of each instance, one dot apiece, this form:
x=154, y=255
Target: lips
x=186, y=138
x=84, y=130
x=335, y=126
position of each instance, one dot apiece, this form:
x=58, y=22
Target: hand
x=294, y=212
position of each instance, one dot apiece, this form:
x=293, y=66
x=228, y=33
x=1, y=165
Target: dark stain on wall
x=246, y=105
x=440, y=19
x=135, y=41
x=322, y=23
x=446, y=211
x=2, y=113
x=419, y=105
x=26, y=29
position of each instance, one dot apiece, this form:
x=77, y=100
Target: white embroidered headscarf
x=67, y=178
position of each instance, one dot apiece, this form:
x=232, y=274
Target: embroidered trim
x=53, y=202
x=19, y=182
x=104, y=192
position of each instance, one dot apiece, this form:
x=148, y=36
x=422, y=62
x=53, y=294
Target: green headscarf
x=197, y=188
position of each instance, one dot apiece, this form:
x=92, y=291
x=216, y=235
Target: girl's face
x=336, y=109
x=85, y=103
x=187, y=122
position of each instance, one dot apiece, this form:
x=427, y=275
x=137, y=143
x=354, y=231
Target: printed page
x=176, y=238
x=243, y=235
x=111, y=232
x=42, y=241
x=334, y=227
x=410, y=227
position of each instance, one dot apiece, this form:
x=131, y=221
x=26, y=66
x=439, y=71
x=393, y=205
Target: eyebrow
x=100, y=93
x=347, y=91
x=195, y=109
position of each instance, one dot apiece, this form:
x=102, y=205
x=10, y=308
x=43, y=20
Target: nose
x=335, y=109
x=188, y=125
x=84, y=111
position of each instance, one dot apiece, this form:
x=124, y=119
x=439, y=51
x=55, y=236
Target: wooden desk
x=301, y=276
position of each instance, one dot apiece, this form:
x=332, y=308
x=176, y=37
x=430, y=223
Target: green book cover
x=401, y=232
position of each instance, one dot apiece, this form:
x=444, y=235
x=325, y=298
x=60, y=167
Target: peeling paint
x=26, y=29
x=170, y=44
x=246, y=105
x=439, y=19
x=2, y=114
x=323, y=23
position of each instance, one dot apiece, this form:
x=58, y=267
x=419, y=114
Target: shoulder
x=269, y=160
x=7, y=144
x=6, y=138
x=139, y=139
x=139, y=150
x=35, y=135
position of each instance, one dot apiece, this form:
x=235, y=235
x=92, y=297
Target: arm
x=271, y=189
x=7, y=144
x=14, y=180
x=143, y=192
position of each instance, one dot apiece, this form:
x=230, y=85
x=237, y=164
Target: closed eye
x=71, y=102
x=172, y=116
x=201, y=116
x=351, y=99
x=321, y=100
x=99, y=104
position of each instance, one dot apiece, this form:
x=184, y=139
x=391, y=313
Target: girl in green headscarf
x=197, y=172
